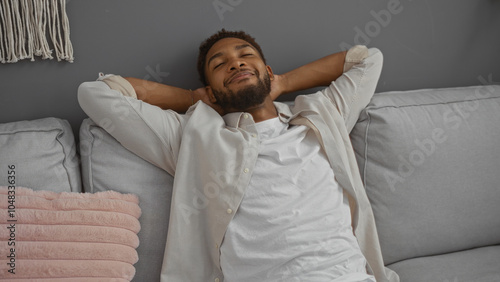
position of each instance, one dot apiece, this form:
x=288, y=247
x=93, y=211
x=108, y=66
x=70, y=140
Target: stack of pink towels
x=48, y=236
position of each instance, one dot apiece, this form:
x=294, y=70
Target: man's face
x=237, y=76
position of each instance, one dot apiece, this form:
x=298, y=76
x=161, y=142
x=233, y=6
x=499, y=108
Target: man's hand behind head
x=202, y=94
x=278, y=86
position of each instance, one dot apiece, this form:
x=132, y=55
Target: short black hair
x=221, y=34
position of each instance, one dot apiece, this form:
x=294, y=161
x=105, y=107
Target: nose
x=236, y=64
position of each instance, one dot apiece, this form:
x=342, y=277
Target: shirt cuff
x=354, y=56
x=118, y=83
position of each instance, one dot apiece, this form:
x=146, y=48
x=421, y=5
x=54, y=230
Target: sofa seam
x=61, y=132
x=365, y=153
x=26, y=131
x=429, y=104
x=89, y=170
x=441, y=254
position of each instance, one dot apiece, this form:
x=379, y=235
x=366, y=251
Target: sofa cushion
x=43, y=152
x=476, y=265
x=429, y=160
x=107, y=165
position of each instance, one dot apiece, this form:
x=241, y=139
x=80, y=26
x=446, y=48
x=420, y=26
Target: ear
x=210, y=93
x=270, y=72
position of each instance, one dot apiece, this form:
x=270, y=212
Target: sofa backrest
x=107, y=165
x=430, y=163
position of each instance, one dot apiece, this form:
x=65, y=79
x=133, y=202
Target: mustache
x=256, y=72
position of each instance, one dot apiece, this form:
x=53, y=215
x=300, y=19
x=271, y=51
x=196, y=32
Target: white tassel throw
x=30, y=28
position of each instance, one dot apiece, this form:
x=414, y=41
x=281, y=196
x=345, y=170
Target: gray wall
x=426, y=44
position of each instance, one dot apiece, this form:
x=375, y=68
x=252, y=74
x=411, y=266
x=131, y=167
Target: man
x=262, y=191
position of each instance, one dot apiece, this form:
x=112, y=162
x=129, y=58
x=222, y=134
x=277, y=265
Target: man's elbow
x=83, y=94
x=88, y=96
x=376, y=55
x=374, y=61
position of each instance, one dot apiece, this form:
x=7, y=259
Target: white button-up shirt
x=212, y=158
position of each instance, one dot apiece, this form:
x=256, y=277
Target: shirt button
x=216, y=279
x=229, y=211
x=245, y=116
x=246, y=170
x=254, y=135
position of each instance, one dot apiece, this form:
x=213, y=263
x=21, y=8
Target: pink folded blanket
x=49, y=236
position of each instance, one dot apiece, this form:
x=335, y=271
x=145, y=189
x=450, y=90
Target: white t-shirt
x=294, y=221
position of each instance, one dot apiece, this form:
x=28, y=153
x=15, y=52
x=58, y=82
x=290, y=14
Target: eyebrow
x=237, y=47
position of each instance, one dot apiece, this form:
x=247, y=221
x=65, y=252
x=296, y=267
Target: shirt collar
x=239, y=119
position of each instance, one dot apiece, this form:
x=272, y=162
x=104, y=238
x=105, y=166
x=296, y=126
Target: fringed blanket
x=31, y=28
x=71, y=237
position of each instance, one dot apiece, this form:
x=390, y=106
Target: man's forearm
x=315, y=74
x=161, y=95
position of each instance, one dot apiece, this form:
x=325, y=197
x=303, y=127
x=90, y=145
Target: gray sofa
x=430, y=163
x=429, y=160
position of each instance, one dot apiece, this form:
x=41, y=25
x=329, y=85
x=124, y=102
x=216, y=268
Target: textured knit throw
x=68, y=236
x=30, y=28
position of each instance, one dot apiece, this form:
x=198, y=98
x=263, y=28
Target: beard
x=245, y=98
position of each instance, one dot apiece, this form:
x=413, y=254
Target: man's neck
x=265, y=111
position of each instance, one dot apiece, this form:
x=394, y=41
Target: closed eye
x=218, y=65
x=242, y=55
